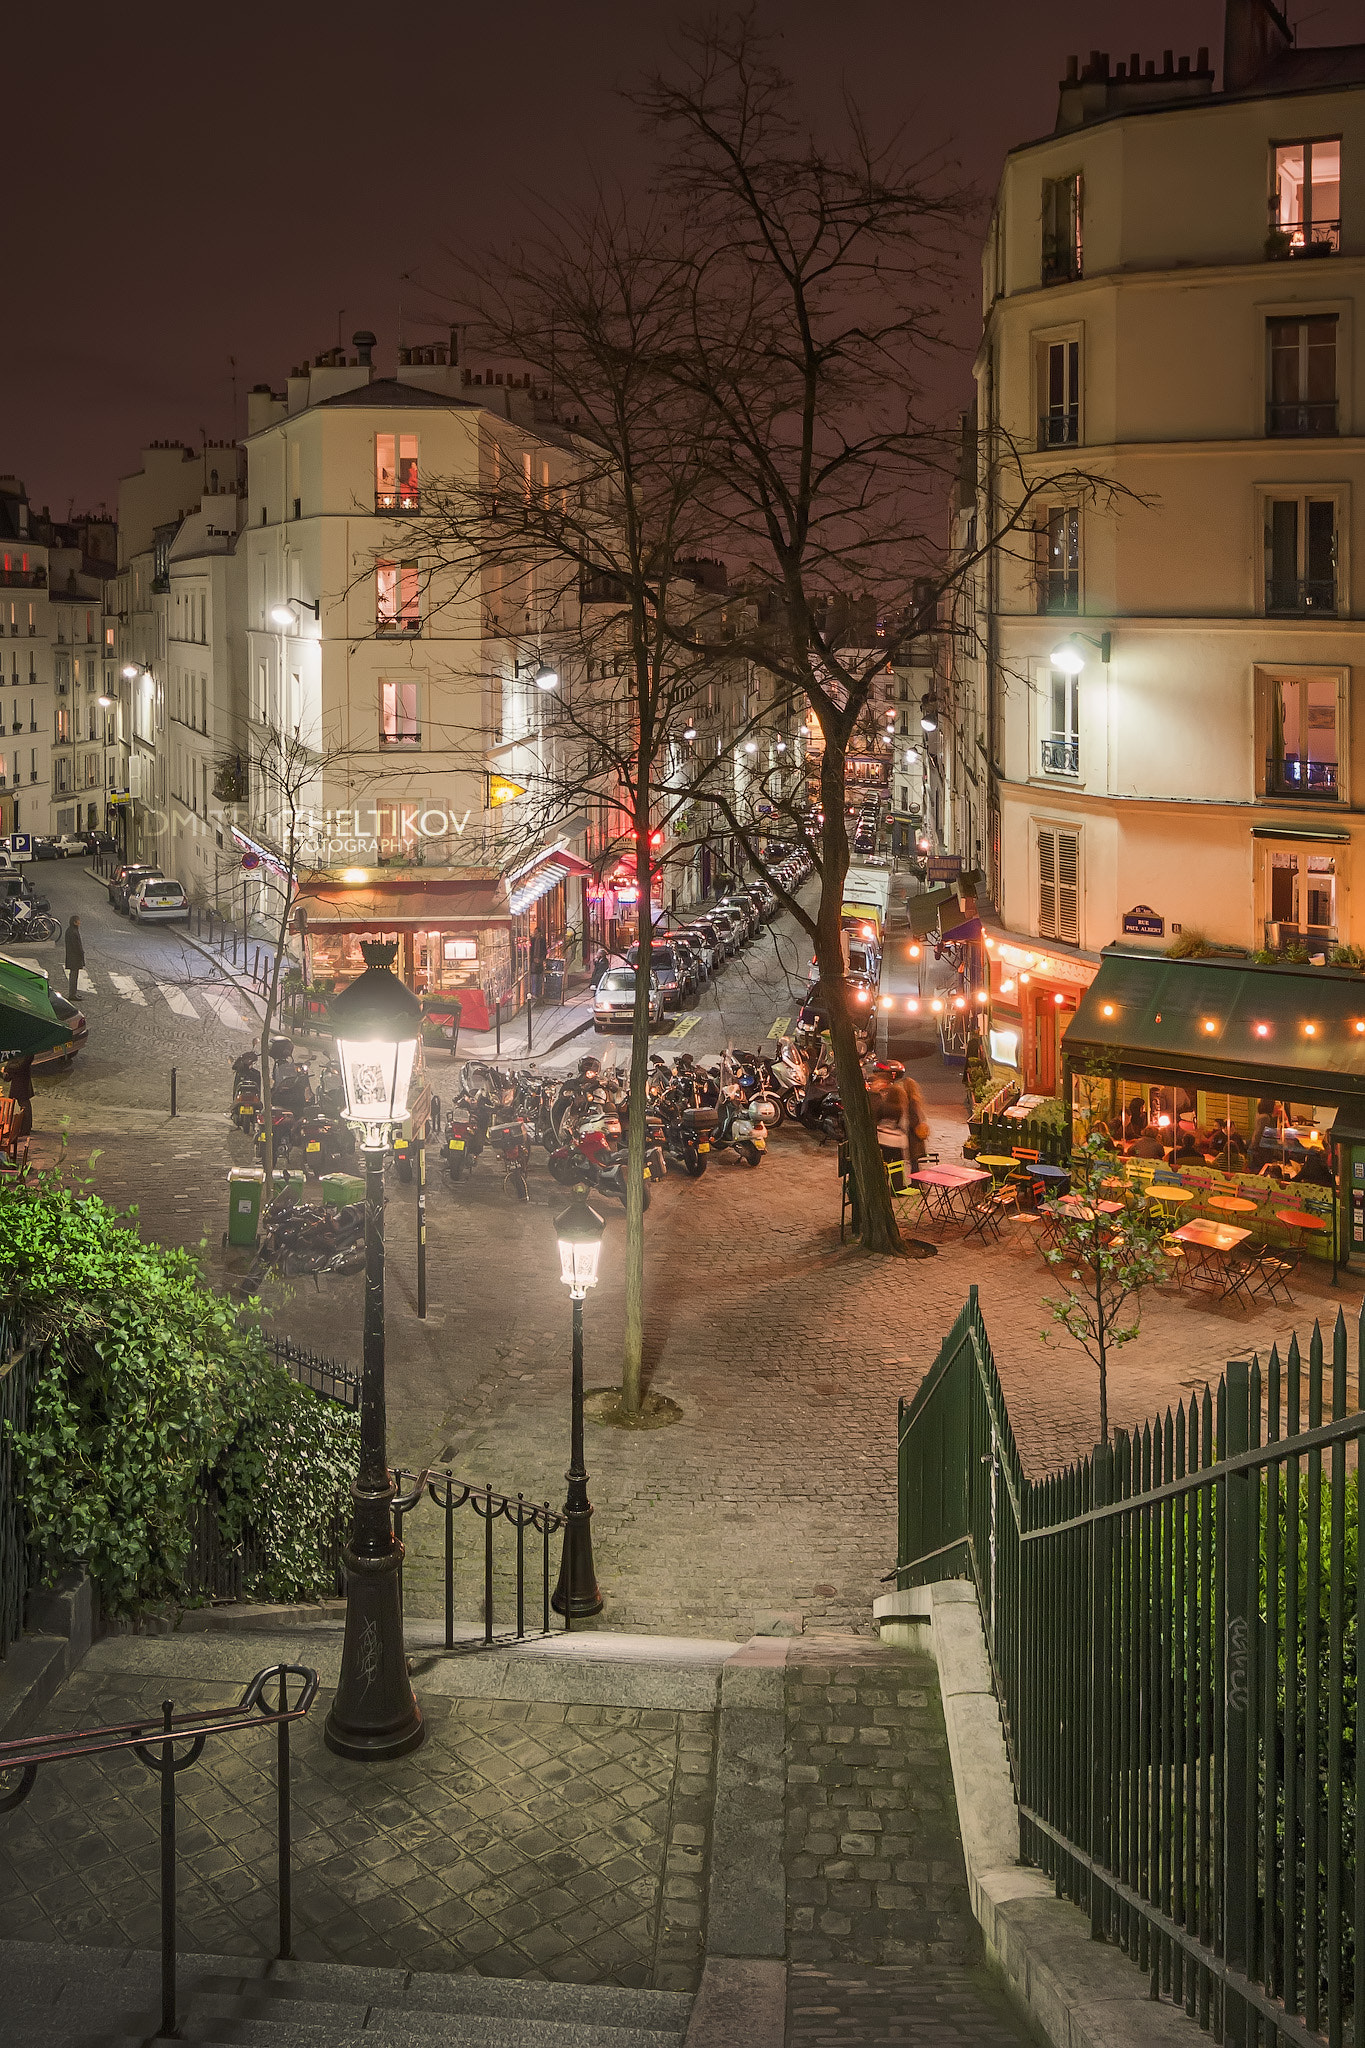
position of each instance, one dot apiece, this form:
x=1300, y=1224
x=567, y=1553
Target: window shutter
x=1068, y=887
x=1047, y=885
x=1059, y=874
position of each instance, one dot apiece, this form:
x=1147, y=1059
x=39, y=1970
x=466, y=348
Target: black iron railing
x=1061, y=756
x=1291, y=775
x=516, y=1514
x=1294, y=595
x=1323, y=238
x=1172, y=1630
x=324, y=1375
x=1301, y=416
x=169, y=1743
x=1060, y=428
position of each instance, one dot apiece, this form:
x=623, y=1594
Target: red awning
x=408, y=906
x=539, y=876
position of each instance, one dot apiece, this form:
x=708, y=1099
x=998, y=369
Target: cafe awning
x=407, y=906
x=1226, y=1024
x=527, y=885
x=28, y=1022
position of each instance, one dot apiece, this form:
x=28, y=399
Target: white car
x=614, y=998
x=71, y=847
x=158, y=900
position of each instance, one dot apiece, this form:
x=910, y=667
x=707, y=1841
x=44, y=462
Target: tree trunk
x=878, y=1228
x=637, y=1136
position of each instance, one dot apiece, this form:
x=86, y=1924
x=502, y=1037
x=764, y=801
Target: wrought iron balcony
x=1292, y=597
x=400, y=739
x=406, y=499
x=1059, y=428
x=1323, y=238
x=1290, y=775
x=23, y=579
x=1301, y=416
x=1061, y=756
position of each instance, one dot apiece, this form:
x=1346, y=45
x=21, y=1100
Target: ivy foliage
x=156, y=1395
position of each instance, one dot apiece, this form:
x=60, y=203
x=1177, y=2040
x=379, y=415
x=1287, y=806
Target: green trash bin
x=246, y=1186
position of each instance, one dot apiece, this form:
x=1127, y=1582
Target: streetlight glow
x=1069, y=657
x=281, y=615
x=578, y=1231
x=547, y=677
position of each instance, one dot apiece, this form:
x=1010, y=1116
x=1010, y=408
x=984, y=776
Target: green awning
x=27, y=1020
x=922, y=911
x=1281, y=1031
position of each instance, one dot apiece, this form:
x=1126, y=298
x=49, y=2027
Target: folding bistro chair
x=984, y=1217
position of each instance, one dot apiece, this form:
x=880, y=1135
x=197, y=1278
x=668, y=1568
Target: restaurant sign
x=1143, y=922
x=943, y=867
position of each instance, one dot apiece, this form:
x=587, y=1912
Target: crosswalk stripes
x=227, y=1009
x=178, y=1000
x=125, y=986
x=231, y=1007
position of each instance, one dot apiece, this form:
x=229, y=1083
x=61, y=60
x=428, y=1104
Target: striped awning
x=542, y=875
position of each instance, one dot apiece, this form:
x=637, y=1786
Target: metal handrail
x=153, y=1742
x=450, y=1494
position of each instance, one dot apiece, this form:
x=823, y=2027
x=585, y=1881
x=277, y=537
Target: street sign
x=502, y=790
x=1143, y=922
x=21, y=845
x=943, y=867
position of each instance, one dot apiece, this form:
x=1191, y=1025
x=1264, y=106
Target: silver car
x=158, y=900
x=614, y=999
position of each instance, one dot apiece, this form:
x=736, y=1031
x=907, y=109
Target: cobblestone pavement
x=567, y=1842
x=881, y=1937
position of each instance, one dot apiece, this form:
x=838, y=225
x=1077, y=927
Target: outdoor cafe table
x=948, y=1191
x=1233, y=1205
x=1212, y=1242
x=998, y=1162
x=1175, y=1196
x=1301, y=1220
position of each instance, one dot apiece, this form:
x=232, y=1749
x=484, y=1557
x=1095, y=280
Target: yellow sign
x=503, y=791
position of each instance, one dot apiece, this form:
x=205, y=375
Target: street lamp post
x=579, y=1231
x=374, y=1713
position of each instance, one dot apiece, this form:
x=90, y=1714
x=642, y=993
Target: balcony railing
x=1059, y=429
x=1290, y=775
x=1301, y=416
x=407, y=499
x=1322, y=239
x=398, y=626
x=1282, y=937
x=23, y=579
x=1293, y=597
x=400, y=739
x=1061, y=756
x=1061, y=260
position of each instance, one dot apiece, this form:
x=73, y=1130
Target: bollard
x=234, y=945
x=422, y=1229
x=256, y=965
x=528, y=1027
x=172, y=1091
x=497, y=1021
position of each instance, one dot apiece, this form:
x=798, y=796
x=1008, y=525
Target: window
x=1061, y=750
x=398, y=722
x=63, y=727
x=1302, y=380
x=1059, y=419
x=396, y=487
x=1062, y=229
x=1301, y=895
x=1300, y=555
x=61, y=774
x=396, y=597
x=1302, y=748
x=1058, y=884
x=1058, y=541
x=1305, y=200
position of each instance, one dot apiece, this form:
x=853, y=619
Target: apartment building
x=1165, y=673
x=56, y=667
x=428, y=700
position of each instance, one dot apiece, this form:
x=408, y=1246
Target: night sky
x=186, y=188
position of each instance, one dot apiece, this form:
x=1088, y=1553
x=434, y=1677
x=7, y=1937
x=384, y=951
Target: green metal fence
x=1172, y=1628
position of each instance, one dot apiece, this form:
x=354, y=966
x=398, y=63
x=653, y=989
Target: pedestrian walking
x=19, y=1076
x=599, y=966
x=75, y=958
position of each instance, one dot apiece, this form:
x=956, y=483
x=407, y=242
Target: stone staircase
x=59, y=1996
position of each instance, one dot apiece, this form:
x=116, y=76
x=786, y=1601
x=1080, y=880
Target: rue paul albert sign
x=1143, y=922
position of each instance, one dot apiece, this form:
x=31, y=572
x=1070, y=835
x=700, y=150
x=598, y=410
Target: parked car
x=670, y=970
x=75, y=1022
x=707, y=944
x=614, y=999
x=744, y=908
x=158, y=900
x=99, y=842
x=696, y=953
x=71, y=846
x=42, y=848
x=126, y=878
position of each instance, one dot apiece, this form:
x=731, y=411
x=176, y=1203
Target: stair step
x=302, y=2024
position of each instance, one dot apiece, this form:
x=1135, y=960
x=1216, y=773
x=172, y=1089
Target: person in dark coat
x=599, y=966
x=75, y=958
x=19, y=1075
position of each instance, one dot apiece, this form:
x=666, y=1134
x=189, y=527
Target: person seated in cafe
x=1102, y=1134
x=1266, y=1130
x=1316, y=1171
x=1226, y=1143
x=1189, y=1150
x=1148, y=1145
x=1135, y=1119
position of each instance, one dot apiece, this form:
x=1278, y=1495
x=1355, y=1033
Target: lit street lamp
x=375, y=1713
x=579, y=1231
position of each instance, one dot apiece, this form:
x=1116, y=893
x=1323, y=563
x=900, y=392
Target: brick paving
x=567, y=1842
x=881, y=1937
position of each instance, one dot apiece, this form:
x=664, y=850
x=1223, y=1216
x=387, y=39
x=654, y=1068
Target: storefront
x=455, y=936
x=1271, y=1058
x=1034, y=993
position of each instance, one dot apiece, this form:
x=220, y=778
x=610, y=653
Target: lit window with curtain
x=397, y=597
x=397, y=486
x=399, y=725
x=1302, y=741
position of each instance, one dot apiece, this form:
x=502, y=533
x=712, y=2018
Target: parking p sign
x=21, y=845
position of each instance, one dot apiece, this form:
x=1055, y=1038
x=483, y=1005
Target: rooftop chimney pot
x=363, y=343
